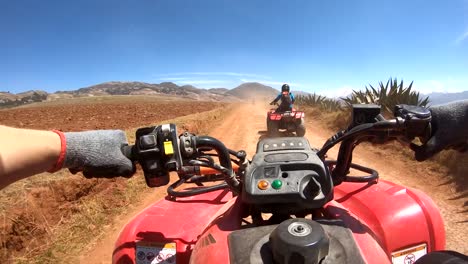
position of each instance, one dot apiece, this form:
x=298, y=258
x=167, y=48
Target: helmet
x=285, y=88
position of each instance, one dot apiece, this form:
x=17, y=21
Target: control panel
x=287, y=171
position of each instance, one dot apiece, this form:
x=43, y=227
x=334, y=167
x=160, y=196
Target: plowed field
x=118, y=113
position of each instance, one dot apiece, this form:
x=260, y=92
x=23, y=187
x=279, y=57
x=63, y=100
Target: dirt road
x=243, y=128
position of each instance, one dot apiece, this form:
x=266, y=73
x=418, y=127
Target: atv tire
x=300, y=129
x=273, y=128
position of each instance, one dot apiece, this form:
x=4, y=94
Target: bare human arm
x=96, y=153
x=26, y=152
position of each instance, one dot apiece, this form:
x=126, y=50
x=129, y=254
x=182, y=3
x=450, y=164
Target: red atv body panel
x=272, y=115
x=167, y=221
x=394, y=217
x=383, y=218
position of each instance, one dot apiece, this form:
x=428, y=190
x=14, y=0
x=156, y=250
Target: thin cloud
x=235, y=74
x=272, y=82
x=336, y=93
x=441, y=86
x=462, y=37
x=198, y=82
x=173, y=79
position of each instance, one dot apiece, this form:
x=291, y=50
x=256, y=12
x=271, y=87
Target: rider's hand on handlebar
x=450, y=130
x=97, y=154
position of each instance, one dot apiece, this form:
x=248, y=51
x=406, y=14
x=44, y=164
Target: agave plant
x=319, y=101
x=331, y=105
x=387, y=96
x=310, y=100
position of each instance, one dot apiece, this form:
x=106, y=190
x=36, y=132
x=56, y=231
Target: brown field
x=120, y=112
x=52, y=217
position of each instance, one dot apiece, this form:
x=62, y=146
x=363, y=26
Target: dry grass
x=457, y=165
x=50, y=219
x=335, y=121
x=82, y=220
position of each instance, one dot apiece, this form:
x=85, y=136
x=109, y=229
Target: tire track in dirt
x=243, y=128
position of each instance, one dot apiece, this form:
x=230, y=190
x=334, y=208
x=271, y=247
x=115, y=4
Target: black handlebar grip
x=127, y=150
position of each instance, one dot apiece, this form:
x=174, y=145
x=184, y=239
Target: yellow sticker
x=155, y=253
x=168, y=149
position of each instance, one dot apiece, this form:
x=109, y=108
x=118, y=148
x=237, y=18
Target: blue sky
x=329, y=47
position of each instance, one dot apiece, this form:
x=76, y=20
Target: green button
x=276, y=184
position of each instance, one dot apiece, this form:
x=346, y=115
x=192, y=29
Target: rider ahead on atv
x=287, y=99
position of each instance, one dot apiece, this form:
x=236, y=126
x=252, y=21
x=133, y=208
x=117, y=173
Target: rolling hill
x=252, y=90
x=441, y=98
x=242, y=92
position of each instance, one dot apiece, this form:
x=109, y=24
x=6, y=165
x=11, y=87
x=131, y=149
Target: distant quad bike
x=291, y=121
x=289, y=204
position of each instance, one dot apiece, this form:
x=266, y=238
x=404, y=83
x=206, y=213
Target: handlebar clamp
x=187, y=145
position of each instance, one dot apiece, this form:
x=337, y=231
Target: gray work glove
x=449, y=130
x=98, y=154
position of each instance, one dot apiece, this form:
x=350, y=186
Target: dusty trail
x=242, y=129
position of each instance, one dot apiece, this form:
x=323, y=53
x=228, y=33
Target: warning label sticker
x=409, y=255
x=155, y=253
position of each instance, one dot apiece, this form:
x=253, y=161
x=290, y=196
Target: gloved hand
x=449, y=130
x=98, y=154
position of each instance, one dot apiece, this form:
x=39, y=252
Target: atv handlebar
x=410, y=122
x=159, y=150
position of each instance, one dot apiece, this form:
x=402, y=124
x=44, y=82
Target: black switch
x=147, y=142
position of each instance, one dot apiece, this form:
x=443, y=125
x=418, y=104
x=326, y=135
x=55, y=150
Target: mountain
x=130, y=88
x=252, y=90
x=218, y=90
x=302, y=93
x=243, y=91
x=8, y=99
x=141, y=88
x=441, y=98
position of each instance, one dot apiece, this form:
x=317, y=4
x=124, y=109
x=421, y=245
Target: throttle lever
x=417, y=121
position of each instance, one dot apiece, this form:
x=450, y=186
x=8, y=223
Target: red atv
x=289, y=204
x=291, y=121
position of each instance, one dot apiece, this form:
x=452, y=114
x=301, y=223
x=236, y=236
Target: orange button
x=263, y=185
